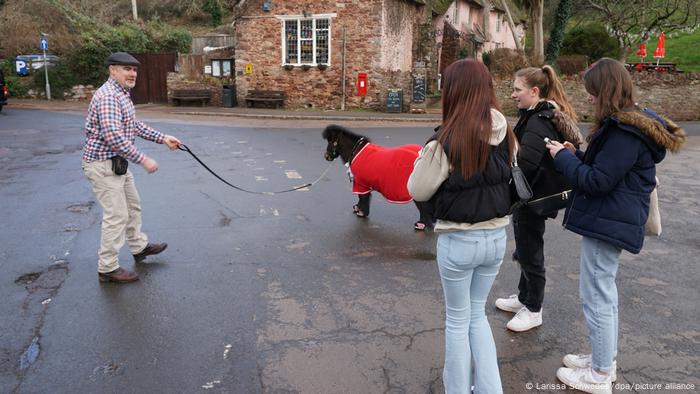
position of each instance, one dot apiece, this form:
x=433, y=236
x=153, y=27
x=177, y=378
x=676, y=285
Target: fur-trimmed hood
x=567, y=127
x=562, y=122
x=660, y=130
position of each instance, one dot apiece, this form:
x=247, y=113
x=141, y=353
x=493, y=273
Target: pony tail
x=557, y=93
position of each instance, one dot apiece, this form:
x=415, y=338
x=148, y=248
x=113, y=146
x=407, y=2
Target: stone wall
x=675, y=95
x=259, y=35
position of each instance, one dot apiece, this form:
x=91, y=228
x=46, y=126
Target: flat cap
x=122, y=59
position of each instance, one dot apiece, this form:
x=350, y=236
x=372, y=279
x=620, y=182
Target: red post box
x=361, y=84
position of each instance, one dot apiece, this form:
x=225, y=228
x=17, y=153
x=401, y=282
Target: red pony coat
x=386, y=170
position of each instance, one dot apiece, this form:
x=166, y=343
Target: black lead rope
x=184, y=148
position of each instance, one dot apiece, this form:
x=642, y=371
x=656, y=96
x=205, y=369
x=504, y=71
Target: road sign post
x=44, y=45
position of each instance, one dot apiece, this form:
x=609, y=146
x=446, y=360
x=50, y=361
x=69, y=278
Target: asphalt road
x=290, y=293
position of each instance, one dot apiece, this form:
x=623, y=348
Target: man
x=111, y=128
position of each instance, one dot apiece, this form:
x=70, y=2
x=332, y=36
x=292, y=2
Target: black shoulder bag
x=520, y=188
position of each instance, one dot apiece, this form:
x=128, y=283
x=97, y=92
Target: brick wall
x=373, y=36
x=674, y=95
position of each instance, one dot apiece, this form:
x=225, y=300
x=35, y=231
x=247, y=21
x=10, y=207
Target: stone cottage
x=333, y=54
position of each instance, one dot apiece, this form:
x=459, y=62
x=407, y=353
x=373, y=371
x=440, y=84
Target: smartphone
x=547, y=140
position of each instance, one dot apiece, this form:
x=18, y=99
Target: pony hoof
x=419, y=226
x=358, y=211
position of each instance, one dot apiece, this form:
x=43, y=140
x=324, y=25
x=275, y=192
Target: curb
x=311, y=117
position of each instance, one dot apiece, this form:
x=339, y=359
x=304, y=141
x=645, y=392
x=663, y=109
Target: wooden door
x=151, y=83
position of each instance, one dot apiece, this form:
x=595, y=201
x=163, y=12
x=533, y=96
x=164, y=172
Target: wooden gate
x=151, y=83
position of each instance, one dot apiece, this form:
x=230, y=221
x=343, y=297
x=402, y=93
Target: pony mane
x=336, y=129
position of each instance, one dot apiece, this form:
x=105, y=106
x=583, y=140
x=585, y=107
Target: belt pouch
x=119, y=165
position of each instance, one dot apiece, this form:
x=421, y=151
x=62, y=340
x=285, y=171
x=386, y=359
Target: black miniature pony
x=375, y=168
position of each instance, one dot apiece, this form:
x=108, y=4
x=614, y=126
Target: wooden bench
x=200, y=95
x=275, y=97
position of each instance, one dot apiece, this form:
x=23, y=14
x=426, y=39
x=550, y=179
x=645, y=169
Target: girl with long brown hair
x=465, y=170
x=545, y=112
x=612, y=182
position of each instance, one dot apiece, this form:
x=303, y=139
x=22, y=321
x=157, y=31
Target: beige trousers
x=121, y=213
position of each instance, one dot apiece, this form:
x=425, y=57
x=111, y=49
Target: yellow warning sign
x=248, y=68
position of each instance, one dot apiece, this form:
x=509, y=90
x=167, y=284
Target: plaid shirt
x=111, y=126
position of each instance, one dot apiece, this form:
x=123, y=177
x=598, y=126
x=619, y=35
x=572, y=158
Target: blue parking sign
x=43, y=43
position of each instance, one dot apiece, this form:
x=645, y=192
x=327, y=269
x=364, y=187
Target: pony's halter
x=334, y=153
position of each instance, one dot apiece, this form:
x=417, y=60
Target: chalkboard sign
x=419, y=89
x=394, y=100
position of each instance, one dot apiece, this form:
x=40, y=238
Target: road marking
x=260, y=178
x=227, y=349
x=279, y=161
x=210, y=385
x=292, y=174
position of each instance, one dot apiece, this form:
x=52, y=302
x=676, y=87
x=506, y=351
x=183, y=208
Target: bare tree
x=634, y=21
x=511, y=24
x=535, y=10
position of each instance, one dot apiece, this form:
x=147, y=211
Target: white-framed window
x=306, y=40
x=221, y=68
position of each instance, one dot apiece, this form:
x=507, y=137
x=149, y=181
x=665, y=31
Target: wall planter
x=288, y=67
x=305, y=67
x=322, y=67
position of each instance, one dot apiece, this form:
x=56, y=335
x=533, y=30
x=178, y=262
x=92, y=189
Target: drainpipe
x=342, y=103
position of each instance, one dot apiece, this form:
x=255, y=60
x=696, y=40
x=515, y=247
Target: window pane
x=307, y=51
x=290, y=28
x=321, y=24
x=307, y=28
x=215, y=68
x=322, y=46
x=226, y=68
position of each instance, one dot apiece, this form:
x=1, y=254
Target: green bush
x=16, y=86
x=87, y=61
x=591, y=40
x=486, y=58
x=61, y=79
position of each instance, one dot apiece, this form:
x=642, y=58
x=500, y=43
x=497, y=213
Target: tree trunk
x=487, y=19
x=556, y=36
x=536, y=16
x=512, y=25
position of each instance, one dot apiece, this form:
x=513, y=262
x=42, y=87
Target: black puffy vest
x=482, y=197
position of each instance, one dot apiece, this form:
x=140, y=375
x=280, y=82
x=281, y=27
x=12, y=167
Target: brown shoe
x=119, y=275
x=149, y=250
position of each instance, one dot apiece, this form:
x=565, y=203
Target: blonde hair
x=545, y=79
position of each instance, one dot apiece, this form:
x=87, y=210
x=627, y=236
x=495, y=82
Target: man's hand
x=150, y=165
x=171, y=141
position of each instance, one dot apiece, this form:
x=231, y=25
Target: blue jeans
x=599, y=262
x=469, y=262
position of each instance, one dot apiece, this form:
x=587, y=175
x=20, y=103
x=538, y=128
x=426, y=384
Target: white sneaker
x=582, y=379
x=525, y=320
x=586, y=361
x=510, y=304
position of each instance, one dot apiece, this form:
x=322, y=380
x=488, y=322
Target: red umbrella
x=660, y=50
x=642, y=52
